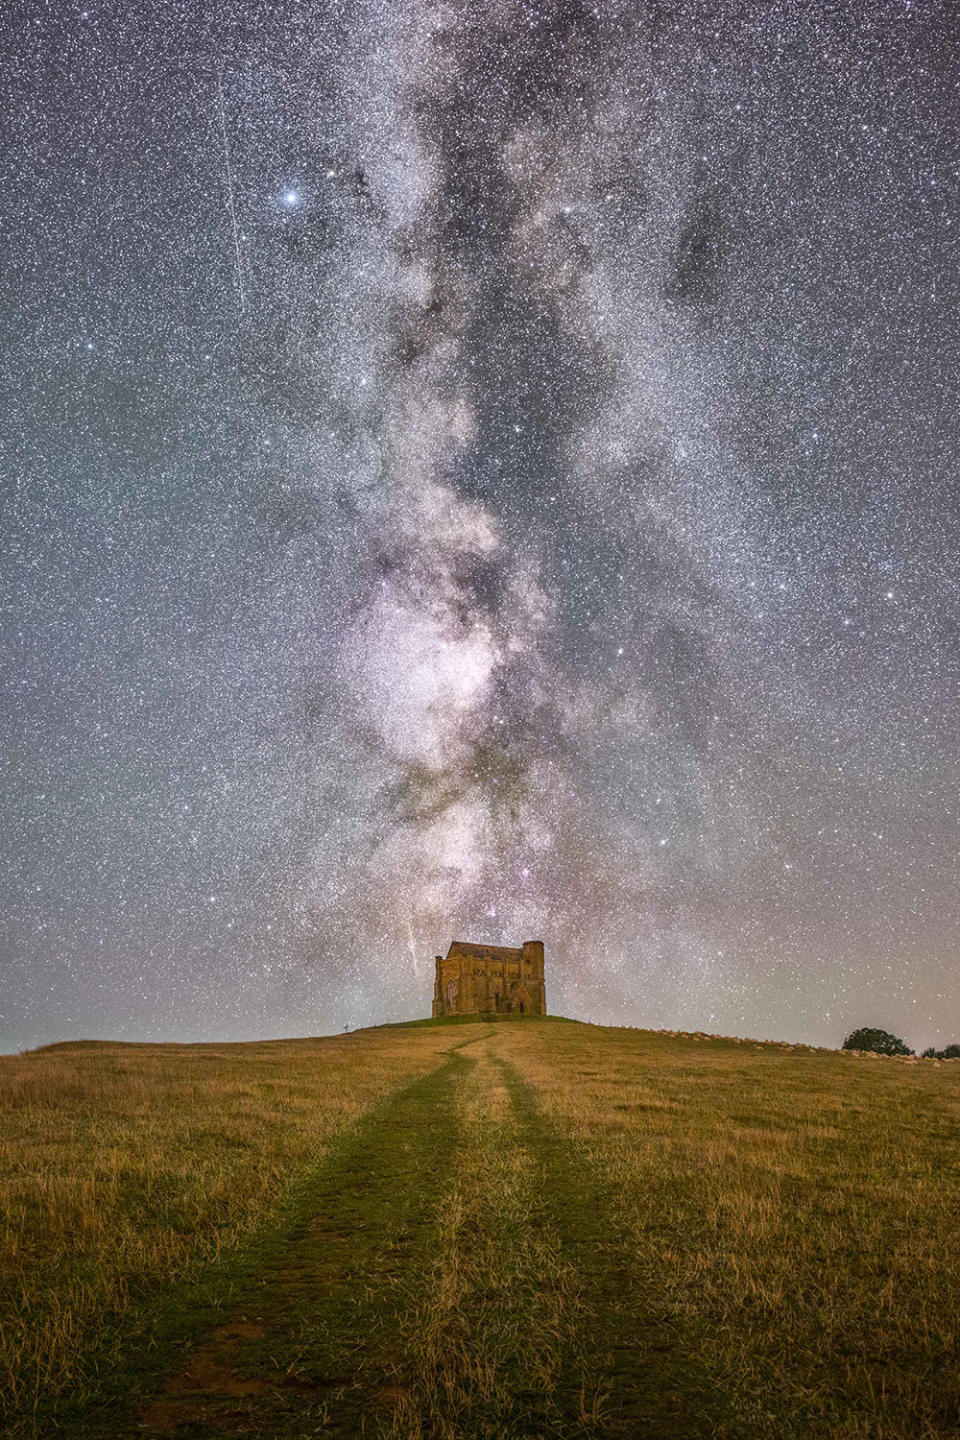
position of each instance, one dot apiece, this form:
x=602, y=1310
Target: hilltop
x=531, y=1227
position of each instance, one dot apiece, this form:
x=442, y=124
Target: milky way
x=480, y=471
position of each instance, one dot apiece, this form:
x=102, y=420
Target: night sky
x=484, y=471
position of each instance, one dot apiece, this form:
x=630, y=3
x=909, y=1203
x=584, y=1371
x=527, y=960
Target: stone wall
x=495, y=979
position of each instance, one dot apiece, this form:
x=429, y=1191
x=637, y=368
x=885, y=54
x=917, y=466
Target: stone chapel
x=490, y=979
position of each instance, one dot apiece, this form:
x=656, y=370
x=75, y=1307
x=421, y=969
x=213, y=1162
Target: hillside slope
x=530, y=1228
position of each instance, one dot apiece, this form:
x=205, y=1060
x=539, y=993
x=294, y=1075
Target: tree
x=952, y=1052
x=881, y=1042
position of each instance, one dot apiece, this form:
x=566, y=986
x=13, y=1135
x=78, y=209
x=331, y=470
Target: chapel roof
x=467, y=947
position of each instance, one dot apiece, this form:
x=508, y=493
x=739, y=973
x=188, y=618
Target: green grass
x=471, y=1230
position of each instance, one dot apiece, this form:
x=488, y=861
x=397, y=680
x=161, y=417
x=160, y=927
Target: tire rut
x=314, y=1348
x=640, y=1365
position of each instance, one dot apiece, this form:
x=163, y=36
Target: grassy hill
x=479, y=1230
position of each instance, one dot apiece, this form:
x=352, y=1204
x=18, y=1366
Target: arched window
x=451, y=992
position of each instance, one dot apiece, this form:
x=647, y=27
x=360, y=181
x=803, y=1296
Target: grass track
x=139, y=1184
x=643, y=1372
x=314, y=1347
x=560, y=1231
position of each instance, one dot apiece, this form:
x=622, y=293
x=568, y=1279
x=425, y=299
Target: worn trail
x=533, y=1321
x=646, y=1373
x=457, y=1278
x=315, y=1348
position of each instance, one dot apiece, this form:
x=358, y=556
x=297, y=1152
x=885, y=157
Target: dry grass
x=796, y=1214
x=500, y=1316
x=621, y=1232
x=125, y=1167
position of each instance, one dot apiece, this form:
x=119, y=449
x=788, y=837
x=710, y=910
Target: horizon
x=481, y=1017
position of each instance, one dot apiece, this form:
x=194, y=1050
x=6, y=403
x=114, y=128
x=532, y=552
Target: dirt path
x=458, y=1280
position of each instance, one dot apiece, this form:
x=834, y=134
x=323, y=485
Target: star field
x=480, y=471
